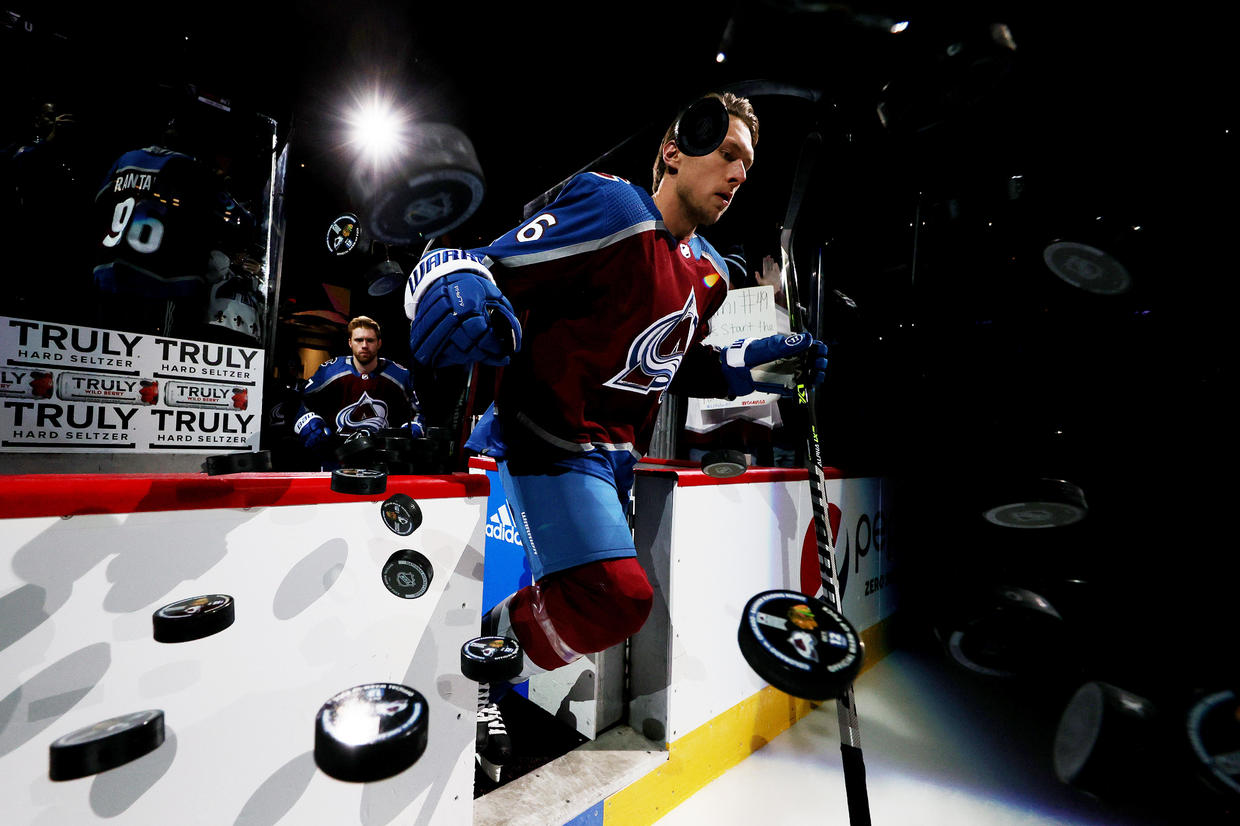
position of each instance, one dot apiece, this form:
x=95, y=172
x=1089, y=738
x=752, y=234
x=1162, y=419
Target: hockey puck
x=407, y=574
x=106, y=744
x=1008, y=632
x=401, y=514
x=354, y=446
x=397, y=447
x=194, y=618
x=392, y=433
x=391, y=461
x=702, y=127
x=396, y=440
x=243, y=462
x=370, y=732
x=1104, y=740
x=1086, y=268
x=359, y=480
x=384, y=278
x=724, y=464
x=1043, y=503
x=491, y=659
x=424, y=454
x=439, y=434
x=436, y=190
x=1213, y=723
x=799, y=644
x=400, y=468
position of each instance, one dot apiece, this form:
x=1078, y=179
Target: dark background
x=969, y=364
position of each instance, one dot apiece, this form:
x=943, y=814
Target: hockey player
x=362, y=391
x=615, y=289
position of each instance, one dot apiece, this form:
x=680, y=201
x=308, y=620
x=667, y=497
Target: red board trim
x=77, y=494
x=689, y=474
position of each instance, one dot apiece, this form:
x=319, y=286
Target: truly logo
x=503, y=527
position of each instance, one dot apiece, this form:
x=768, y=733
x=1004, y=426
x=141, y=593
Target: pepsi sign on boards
x=67, y=388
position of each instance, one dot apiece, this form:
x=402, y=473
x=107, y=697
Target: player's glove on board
x=457, y=314
x=745, y=353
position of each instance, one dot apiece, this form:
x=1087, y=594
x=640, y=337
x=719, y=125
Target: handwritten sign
x=749, y=312
x=66, y=388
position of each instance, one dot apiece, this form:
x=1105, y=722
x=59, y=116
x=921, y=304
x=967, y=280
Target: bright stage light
x=376, y=128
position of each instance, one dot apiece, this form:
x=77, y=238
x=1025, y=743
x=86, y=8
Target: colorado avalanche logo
x=364, y=414
x=655, y=354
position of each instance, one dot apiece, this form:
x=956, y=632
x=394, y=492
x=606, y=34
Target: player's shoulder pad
x=624, y=201
x=328, y=371
x=593, y=211
x=707, y=250
x=391, y=370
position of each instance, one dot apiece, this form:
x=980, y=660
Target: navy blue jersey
x=156, y=225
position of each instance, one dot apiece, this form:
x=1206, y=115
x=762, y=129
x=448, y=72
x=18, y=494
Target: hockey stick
x=850, y=731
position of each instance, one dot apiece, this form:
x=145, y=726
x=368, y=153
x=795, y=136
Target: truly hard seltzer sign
x=67, y=388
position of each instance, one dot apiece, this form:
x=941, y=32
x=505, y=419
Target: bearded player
x=614, y=289
x=361, y=391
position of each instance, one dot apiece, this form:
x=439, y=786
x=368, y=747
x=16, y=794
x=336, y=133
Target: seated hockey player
x=614, y=289
x=362, y=391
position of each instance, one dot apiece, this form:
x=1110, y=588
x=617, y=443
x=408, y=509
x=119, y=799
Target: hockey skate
x=492, y=743
x=486, y=660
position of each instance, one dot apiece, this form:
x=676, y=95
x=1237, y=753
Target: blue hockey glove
x=745, y=353
x=457, y=314
x=313, y=431
x=415, y=428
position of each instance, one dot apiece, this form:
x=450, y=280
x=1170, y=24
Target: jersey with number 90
x=154, y=225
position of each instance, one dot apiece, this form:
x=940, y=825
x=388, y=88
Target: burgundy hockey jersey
x=613, y=308
x=350, y=401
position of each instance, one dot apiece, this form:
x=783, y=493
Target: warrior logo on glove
x=458, y=315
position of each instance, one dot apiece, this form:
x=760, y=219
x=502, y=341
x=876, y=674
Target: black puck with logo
x=407, y=574
x=799, y=644
x=193, y=618
x=357, y=480
x=1005, y=633
x=724, y=464
x=370, y=732
x=106, y=744
x=401, y=514
x=355, y=446
x=491, y=659
x=1035, y=504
